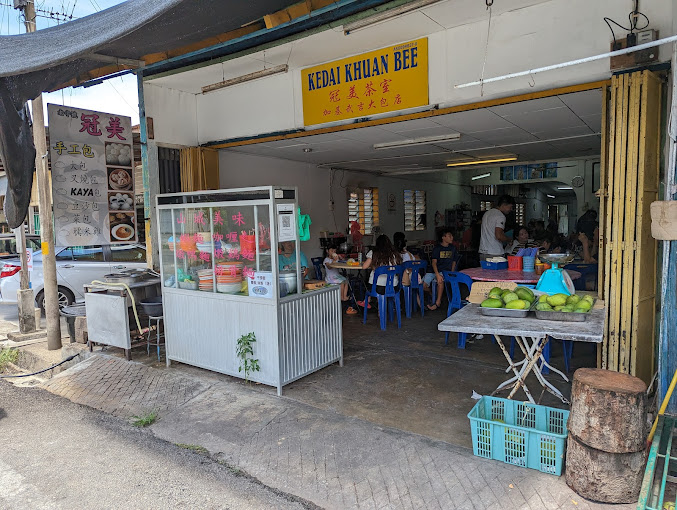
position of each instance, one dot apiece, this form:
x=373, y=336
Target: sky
x=117, y=95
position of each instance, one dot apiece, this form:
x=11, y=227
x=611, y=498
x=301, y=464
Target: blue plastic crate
x=493, y=265
x=519, y=433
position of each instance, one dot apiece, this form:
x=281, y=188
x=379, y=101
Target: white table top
x=469, y=320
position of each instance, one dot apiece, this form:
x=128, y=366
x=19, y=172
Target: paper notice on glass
x=261, y=284
x=286, y=222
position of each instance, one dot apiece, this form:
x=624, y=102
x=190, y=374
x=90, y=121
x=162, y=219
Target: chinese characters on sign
x=92, y=177
x=386, y=80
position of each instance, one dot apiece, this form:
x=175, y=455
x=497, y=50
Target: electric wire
x=634, y=15
x=41, y=371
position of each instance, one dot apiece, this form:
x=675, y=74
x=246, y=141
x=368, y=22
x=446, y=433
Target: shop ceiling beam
x=132, y=62
x=585, y=60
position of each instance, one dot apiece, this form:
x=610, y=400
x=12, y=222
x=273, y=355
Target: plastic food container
x=493, y=265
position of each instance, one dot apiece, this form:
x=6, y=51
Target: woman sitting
x=383, y=254
x=333, y=276
x=521, y=241
x=590, y=247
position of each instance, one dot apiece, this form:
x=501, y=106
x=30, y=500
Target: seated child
x=333, y=276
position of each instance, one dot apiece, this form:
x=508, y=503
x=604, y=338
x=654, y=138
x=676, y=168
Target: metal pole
x=51, y=299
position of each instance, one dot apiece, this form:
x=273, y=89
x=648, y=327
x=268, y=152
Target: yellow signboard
x=385, y=80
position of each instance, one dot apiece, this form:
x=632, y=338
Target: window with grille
x=363, y=208
x=519, y=214
x=414, y=210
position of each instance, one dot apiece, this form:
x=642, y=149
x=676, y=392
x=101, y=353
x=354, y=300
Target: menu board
x=92, y=177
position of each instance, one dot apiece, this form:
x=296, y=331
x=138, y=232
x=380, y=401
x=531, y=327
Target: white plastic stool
x=158, y=320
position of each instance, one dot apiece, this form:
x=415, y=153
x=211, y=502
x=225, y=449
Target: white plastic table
x=531, y=334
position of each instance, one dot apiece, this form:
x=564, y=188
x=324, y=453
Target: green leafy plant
x=245, y=351
x=8, y=356
x=145, y=420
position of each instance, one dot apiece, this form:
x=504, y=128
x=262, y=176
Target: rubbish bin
x=70, y=313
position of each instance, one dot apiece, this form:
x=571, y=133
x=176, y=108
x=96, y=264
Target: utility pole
x=51, y=299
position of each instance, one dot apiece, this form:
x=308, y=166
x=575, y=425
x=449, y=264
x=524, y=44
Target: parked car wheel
x=66, y=298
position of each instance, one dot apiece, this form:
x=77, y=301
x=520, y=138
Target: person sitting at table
x=383, y=254
x=400, y=243
x=549, y=245
x=590, y=247
x=287, y=258
x=443, y=259
x=333, y=276
x=521, y=241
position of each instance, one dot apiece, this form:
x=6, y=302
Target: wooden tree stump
x=608, y=410
x=602, y=476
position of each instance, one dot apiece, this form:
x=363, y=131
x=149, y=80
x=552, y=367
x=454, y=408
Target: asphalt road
x=9, y=313
x=55, y=454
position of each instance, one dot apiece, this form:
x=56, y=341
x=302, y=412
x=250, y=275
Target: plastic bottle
x=359, y=257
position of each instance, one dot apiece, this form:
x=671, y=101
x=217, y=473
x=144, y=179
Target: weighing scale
x=556, y=280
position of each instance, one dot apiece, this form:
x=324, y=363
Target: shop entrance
x=548, y=148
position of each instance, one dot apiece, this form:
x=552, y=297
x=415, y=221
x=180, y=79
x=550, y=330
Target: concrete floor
x=406, y=378
x=409, y=379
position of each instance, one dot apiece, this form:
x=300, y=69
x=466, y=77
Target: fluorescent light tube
x=481, y=176
x=483, y=161
x=564, y=187
x=246, y=77
x=550, y=196
x=385, y=15
x=424, y=140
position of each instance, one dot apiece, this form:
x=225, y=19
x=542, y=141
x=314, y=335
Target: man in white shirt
x=493, y=225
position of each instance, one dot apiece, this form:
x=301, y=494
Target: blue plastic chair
x=452, y=280
x=415, y=286
x=317, y=264
x=391, y=296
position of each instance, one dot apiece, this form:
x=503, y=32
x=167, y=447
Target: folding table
x=532, y=335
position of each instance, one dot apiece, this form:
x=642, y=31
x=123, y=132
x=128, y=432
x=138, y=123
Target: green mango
x=543, y=298
x=524, y=293
x=495, y=295
x=558, y=308
x=492, y=303
x=516, y=304
x=573, y=299
x=509, y=296
x=543, y=307
x=496, y=290
x=567, y=308
x=557, y=299
x=589, y=298
x=583, y=305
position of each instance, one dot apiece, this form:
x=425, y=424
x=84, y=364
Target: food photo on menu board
x=119, y=179
x=118, y=154
x=122, y=226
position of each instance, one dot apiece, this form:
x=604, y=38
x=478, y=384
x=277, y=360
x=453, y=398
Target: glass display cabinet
x=222, y=278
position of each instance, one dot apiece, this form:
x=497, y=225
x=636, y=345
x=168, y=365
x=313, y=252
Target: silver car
x=75, y=267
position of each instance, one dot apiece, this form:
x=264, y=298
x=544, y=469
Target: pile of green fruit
x=519, y=299
x=564, y=303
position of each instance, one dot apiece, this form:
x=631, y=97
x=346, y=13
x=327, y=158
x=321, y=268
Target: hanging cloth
x=304, y=222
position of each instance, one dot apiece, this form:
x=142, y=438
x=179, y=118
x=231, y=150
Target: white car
x=75, y=267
